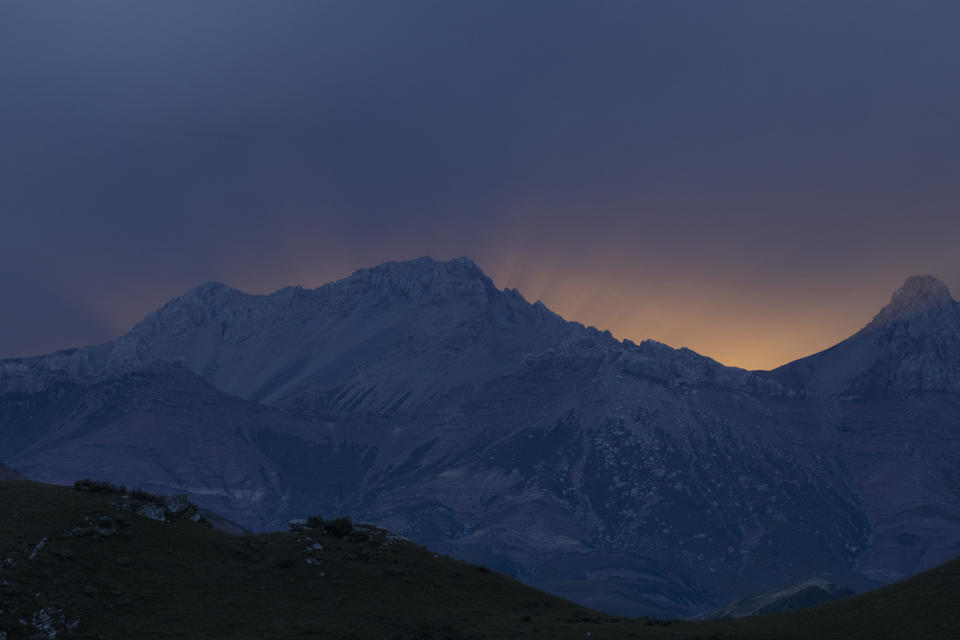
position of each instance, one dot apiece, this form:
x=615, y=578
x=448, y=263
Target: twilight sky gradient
x=749, y=179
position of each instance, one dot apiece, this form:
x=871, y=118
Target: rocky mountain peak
x=196, y=306
x=211, y=295
x=422, y=278
x=209, y=289
x=912, y=345
x=795, y=596
x=917, y=295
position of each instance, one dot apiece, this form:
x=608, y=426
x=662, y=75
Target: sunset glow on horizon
x=749, y=180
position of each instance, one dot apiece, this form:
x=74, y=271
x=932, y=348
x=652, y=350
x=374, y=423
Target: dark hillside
x=92, y=564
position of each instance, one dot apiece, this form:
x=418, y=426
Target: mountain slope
x=78, y=564
x=414, y=330
x=167, y=429
x=891, y=393
x=912, y=345
x=638, y=479
x=796, y=596
x=88, y=565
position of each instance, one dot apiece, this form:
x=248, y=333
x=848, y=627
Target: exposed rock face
x=635, y=478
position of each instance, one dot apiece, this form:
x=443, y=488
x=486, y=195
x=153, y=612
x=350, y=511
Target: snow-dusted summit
x=414, y=329
x=918, y=296
x=912, y=345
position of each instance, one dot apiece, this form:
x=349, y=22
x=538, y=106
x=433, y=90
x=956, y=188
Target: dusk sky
x=748, y=179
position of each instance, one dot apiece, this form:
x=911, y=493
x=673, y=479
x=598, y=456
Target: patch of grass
x=133, y=577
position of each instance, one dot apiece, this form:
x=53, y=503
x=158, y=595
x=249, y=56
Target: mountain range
x=636, y=479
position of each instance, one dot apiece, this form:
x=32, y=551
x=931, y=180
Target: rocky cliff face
x=636, y=478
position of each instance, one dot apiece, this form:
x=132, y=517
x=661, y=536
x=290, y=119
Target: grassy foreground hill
x=86, y=564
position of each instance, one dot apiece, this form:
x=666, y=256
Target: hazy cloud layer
x=750, y=179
